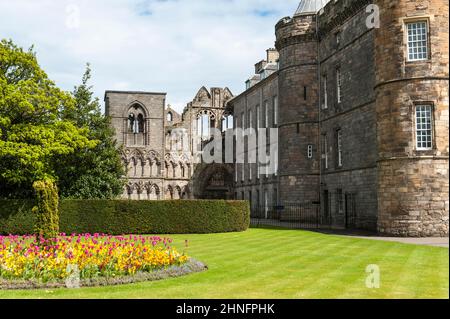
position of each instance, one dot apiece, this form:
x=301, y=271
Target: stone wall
x=250, y=185
x=144, y=152
x=412, y=183
x=346, y=43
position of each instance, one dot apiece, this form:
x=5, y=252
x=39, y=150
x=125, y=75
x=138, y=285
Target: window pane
x=417, y=41
x=424, y=133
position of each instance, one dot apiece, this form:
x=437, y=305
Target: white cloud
x=172, y=46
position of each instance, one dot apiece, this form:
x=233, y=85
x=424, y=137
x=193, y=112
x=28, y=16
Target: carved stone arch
x=140, y=187
x=168, y=157
x=132, y=105
x=132, y=165
x=156, y=190
x=130, y=188
x=154, y=156
x=138, y=154
x=148, y=187
x=211, y=114
x=152, y=190
x=213, y=181
x=169, y=192
x=177, y=193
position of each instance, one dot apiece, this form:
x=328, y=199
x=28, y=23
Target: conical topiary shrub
x=46, y=209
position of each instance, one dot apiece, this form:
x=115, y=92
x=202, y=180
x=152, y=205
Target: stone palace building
x=358, y=91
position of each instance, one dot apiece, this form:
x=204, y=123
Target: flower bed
x=88, y=257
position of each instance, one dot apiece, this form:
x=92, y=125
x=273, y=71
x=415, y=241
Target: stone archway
x=213, y=181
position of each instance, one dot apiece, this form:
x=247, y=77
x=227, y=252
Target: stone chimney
x=260, y=66
x=272, y=55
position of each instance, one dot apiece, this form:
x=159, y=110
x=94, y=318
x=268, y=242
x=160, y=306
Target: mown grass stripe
x=267, y=263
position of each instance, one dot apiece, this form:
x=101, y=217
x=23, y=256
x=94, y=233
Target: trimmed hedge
x=118, y=217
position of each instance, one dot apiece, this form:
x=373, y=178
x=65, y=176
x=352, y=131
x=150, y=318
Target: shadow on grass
x=341, y=232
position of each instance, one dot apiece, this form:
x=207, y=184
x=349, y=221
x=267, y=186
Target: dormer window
x=263, y=75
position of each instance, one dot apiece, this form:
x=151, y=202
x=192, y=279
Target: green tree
x=91, y=173
x=33, y=131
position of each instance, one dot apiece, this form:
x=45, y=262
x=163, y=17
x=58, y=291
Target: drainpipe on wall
x=319, y=146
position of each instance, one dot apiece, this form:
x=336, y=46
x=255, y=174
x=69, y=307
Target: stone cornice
x=297, y=39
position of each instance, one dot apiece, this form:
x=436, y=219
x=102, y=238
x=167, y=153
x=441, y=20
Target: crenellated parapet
x=336, y=13
x=295, y=30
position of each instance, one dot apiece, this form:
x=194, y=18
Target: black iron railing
x=289, y=215
x=337, y=211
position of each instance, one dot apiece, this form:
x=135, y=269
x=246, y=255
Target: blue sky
x=172, y=46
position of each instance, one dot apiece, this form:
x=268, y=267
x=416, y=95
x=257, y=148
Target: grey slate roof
x=310, y=6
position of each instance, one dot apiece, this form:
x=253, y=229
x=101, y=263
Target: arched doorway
x=214, y=181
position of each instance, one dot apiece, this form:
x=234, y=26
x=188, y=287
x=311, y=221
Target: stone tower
x=297, y=43
x=411, y=61
x=138, y=120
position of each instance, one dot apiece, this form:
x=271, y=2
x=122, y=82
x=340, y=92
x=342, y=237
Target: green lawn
x=264, y=263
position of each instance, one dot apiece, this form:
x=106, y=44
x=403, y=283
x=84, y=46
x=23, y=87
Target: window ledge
x=428, y=61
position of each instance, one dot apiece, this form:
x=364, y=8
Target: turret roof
x=310, y=6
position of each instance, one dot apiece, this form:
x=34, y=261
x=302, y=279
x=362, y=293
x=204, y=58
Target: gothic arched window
x=205, y=121
x=131, y=122
x=140, y=123
x=169, y=117
x=136, y=119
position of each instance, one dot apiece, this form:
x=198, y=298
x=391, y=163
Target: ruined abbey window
x=140, y=123
x=131, y=123
x=205, y=121
x=136, y=127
